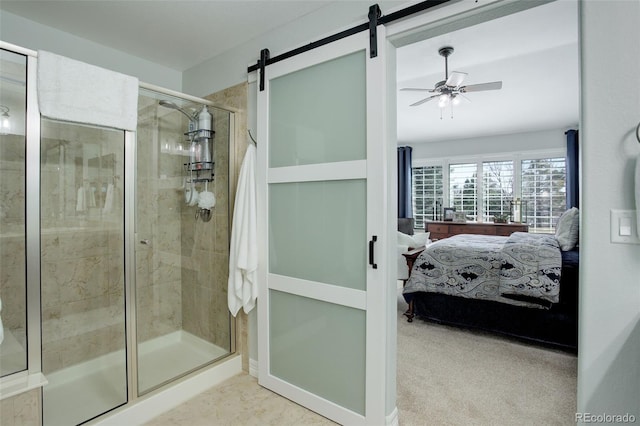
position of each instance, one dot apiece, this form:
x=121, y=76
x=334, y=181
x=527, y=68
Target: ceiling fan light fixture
x=449, y=91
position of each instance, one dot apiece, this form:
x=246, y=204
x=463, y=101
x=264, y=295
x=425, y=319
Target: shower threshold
x=78, y=393
x=166, y=357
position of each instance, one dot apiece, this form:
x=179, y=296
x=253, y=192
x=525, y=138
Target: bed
x=524, y=286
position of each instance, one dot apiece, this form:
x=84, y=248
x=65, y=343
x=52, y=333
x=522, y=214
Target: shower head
x=171, y=105
x=168, y=104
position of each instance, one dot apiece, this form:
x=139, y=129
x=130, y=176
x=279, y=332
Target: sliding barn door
x=322, y=173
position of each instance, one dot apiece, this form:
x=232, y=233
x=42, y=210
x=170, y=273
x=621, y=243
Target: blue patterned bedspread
x=520, y=270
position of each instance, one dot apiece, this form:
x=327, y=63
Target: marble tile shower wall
x=82, y=249
x=235, y=97
x=205, y=251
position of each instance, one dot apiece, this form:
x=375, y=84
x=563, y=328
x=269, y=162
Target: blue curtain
x=573, y=188
x=405, y=204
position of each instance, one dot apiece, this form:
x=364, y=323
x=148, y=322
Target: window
x=543, y=192
x=427, y=194
x=484, y=189
x=463, y=189
x=497, y=189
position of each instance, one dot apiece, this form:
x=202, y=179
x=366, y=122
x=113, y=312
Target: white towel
x=91, y=202
x=637, y=183
x=108, y=200
x=243, y=258
x=71, y=90
x=80, y=201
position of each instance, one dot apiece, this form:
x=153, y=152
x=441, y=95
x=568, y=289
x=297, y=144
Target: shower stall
x=133, y=249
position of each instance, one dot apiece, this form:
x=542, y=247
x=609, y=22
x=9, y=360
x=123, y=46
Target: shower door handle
x=146, y=242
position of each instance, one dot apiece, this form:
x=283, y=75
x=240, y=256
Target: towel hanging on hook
x=252, y=138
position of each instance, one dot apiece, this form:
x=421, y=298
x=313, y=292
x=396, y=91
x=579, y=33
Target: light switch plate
x=621, y=219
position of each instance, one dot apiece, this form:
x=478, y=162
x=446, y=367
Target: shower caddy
x=200, y=167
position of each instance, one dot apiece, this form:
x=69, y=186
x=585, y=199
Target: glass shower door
x=182, y=320
x=82, y=268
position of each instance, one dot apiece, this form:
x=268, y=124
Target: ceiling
x=534, y=53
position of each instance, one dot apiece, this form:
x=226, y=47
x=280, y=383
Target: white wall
x=609, y=352
x=230, y=68
x=22, y=32
x=553, y=139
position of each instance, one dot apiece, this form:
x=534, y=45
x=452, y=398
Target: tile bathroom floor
x=239, y=401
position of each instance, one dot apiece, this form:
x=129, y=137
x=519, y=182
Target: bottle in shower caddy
x=205, y=121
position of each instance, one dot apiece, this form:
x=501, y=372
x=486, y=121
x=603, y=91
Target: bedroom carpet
x=449, y=376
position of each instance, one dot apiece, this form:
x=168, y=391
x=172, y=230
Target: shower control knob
x=145, y=242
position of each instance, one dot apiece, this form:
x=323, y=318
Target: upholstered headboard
x=405, y=225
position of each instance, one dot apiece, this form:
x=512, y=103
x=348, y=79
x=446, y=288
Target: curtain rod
x=383, y=20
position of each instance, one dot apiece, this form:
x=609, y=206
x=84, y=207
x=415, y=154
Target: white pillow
x=405, y=240
x=567, y=229
x=418, y=240
x=421, y=239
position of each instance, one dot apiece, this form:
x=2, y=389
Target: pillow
x=418, y=240
x=421, y=239
x=405, y=240
x=567, y=229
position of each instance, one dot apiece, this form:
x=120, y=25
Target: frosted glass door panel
x=319, y=347
x=318, y=231
x=317, y=114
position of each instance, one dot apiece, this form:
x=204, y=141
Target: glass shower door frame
x=31, y=377
x=130, y=264
x=143, y=150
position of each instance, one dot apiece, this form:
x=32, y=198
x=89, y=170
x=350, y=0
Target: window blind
x=463, y=189
x=427, y=194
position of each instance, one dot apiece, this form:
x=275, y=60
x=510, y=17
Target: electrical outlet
x=624, y=227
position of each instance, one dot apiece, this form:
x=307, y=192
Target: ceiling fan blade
x=420, y=102
x=464, y=97
x=415, y=89
x=456, y=78
x=495, y=85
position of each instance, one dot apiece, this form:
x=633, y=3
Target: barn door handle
x=371, y=252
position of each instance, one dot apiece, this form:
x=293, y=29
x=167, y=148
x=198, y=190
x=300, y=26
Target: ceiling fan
x=450, y=90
